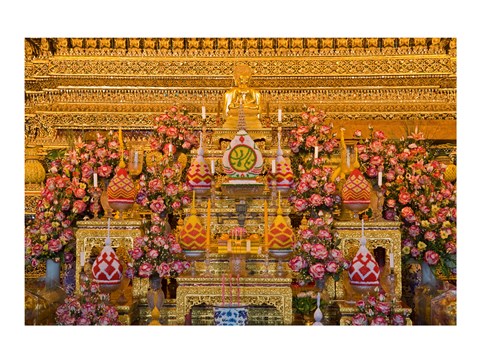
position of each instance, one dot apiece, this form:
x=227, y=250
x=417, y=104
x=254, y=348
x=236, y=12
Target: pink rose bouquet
x=316, y=255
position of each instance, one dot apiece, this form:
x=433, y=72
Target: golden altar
x=252, y=290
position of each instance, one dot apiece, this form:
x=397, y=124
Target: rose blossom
x=175, y=248
x=364, y=157
x=157, y=206
x=404, y=197
x=430, y=236
x=297, y=263
x=303, y=187
x=316, y=200
x=37, y=249
x=357, y=133
x=371, y=172
x=152, y=254
x=171, y=190
x=336, y=254
x=431, y=257
x=379, y=320
x=54, y=245
x=177, y=266
x=450, y=247
x=324, y=234
x=407, y=211
x=145, y=270
x=317, y=271
x=329, y=188
x=331, y=267
x=376, y=160
x=328, y=201
x=359, y=319
x=87, y=171
x=176, y=205
x=306, y=247
x=306, y=234
x=79, y=206
x=136, y=253
x=163, y=269
x=398, y=319
x=79, y=193
x=383, y=307
x=301, y=204
x=104, y=171
x=319, y=251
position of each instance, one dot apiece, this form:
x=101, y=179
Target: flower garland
x=88, y=308
x=316, y=255
x=157, y=252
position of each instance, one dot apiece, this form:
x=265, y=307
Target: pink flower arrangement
x=415, y=194
x=313, y=191
x=174, y=128
x=238, y=232
x=157, y=252
x=376, y=310
x=66, y=197
x=316, y=255
x=311, y=132
x=89, y=308
x=162, y=189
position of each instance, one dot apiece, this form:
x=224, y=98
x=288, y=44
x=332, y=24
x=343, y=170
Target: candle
x=135, y=158
x=170, y=149
x=223, y=290
x=209, y=209
x=316, y=152
x=213, y=166
x=231, y=290
x=238, y=290
x=82, y=258
x=379, y=178
x=95, y=180
x=249, y=244
x=279, y=115
x=229, y=245
x=265, y=223
x=363, y=234
x=204, y=113
x=392, y=265
x=318, y=299
x=348, y=158
x=274, y=167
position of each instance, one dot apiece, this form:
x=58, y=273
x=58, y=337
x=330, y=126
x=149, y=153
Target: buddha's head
x=242, y=74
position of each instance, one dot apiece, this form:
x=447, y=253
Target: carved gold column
x=34, y=178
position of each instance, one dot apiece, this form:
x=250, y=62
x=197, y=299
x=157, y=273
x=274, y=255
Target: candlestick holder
x=96, y=193
x=193, y=256
x=280, y=255
x=392, y=282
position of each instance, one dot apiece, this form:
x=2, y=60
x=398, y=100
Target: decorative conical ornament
x=364, y=271
x=121, y=189
x=107, y=268
x=242, y=159
x=356, y=189
x=283, y=172
x=193, y=235
x=280, y=234
x=198, y=175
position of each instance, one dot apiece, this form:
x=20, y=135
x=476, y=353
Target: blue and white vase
x=230, y=315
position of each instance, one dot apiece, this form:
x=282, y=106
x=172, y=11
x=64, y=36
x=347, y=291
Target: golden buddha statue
x=248, y=96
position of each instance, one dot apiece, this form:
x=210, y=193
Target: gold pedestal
x=253, y=291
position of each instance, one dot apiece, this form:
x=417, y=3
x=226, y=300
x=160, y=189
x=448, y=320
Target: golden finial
x=194, y=210
x=303, y=223
x=356, y=164
x=120, y=141
x=279, y=209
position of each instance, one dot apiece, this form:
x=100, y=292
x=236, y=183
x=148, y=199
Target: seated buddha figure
x=242, y=93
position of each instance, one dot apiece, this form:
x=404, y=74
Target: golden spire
x=279, y=209
x=120, y=141
x=194, y=210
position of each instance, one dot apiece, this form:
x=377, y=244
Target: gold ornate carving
x=253, y=291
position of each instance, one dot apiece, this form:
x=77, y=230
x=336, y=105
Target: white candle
x=279, y=115
x=95, y=180
x=213, y=167
x=170, y=148
x=204, y=113
x=348, y=158
x=363, y=234
x=82, y=258
x=316, y=152
x=392, y=264
x=249, y=244
x=135, y=158
x=274, y=167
